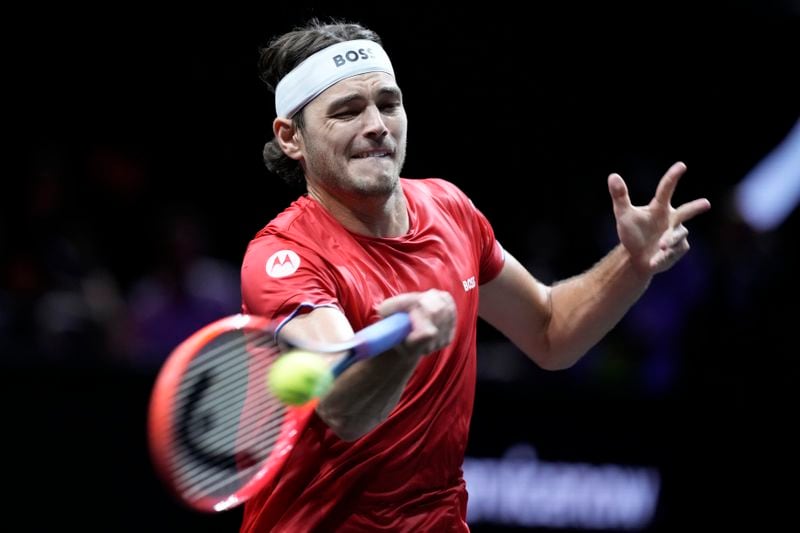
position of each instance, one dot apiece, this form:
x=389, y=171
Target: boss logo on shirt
x=352, y=56
x=468, y=283
x=282, y=263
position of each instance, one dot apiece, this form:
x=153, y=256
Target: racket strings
x=229, y=421
x=242, y=343
x=200, y=479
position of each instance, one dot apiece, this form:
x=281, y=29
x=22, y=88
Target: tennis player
x=385, y=447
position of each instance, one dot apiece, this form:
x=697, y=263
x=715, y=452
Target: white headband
x=324, y=68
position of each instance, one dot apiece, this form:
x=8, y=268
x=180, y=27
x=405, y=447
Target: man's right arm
x=364, y=395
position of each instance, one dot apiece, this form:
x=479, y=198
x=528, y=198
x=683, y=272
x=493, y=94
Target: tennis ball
x=298, y=376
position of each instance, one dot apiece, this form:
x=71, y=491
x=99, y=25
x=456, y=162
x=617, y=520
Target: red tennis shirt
x=405, y=475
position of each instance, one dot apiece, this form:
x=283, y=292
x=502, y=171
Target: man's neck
x=369, y=216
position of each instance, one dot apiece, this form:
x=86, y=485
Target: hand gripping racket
x=217, y=434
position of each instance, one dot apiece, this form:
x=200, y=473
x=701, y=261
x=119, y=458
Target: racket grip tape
x=384, y=334
x=376, y=339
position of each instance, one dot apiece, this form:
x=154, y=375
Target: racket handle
x=382, y=335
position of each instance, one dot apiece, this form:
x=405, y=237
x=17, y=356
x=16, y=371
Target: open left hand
x=654, y=235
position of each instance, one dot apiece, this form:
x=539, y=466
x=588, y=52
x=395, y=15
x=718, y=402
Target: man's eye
x=344, y=114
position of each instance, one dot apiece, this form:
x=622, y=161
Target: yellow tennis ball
x=298, y=376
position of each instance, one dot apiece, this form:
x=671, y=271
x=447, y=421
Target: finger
x=659, y=259
x=691, y=209
x=428, y=332
x=619, y=194
x=671, y=238
x=401, y=302
x=666, y=187
x=663, y=259
x=434, y=300
x=422, y=330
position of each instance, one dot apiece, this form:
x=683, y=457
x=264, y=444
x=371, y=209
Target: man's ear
x=288, y=137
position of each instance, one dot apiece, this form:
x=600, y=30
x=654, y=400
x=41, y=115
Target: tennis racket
x=217, y=435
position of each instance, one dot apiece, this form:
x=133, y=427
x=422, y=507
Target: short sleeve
x=280, y=277
x=492, y=255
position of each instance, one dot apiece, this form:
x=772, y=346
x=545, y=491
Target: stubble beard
x=367, y=185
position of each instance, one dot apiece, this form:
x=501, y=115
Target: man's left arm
x=556, y=325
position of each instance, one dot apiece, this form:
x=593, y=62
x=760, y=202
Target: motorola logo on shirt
x=282, y=263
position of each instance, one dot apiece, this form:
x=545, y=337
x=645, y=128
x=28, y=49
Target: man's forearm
x=586, y=307
x=365, y=394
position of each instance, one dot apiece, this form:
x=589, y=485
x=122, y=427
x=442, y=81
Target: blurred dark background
x=134, y=181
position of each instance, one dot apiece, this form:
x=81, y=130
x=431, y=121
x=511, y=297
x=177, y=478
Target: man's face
x=354, y=139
